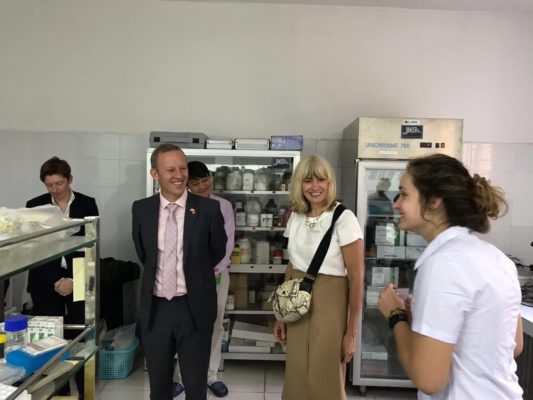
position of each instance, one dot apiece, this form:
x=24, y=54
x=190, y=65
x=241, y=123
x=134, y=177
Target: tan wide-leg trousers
x=313, y=369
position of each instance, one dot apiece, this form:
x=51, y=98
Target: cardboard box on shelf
x=382, y=276
x=371, y=296
x=239, y=287
x=413, y=253
x=40, y=327
x=238, y=345
x=389, y=235
x=245, y=330
x=397, y=252
x=412, y=239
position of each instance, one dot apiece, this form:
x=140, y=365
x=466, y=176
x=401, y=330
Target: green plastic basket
x=117, y=364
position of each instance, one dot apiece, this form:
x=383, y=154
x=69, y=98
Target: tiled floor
x=246, y=380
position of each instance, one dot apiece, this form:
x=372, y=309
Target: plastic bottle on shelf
x=253, y=209
x=234, y=179
x=220, y=178
x=248, y=180
x=262, y=179
x=236, y=255
x=16, y=327
x=246, y=250
x=277, y=258
x=262, y=252
x=2, y=347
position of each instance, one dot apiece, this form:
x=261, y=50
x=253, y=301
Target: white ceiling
x=464, y=5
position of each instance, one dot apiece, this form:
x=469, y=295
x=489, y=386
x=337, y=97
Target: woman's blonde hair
x=308, y=167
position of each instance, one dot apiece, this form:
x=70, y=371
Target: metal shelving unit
x=256, y=272
x=24, y=252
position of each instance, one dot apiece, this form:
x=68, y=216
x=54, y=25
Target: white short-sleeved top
x=466, y=292
x=303, y=240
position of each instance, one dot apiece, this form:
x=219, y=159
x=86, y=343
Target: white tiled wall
x=111, y=167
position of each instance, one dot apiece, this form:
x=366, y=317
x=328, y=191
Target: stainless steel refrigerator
x=374, y=155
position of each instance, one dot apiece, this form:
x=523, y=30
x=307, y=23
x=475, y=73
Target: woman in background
x=50, y=285
x=322, y=342
x=465, y=326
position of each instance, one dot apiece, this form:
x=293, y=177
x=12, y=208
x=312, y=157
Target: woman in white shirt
x=321, y=342
x=463, y=329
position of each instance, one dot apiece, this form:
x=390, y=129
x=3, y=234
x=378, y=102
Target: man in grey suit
x=179, y=237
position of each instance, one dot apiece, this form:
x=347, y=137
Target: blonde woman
x=322, y=342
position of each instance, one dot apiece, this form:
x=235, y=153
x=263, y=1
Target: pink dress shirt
x=180, y=219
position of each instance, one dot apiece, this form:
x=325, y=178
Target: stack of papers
x=6, y=391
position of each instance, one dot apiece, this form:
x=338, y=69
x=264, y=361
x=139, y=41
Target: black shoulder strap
x=322, y=249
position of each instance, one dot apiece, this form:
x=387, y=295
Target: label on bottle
x=240, y=218
x=266, y=219
x=252, y=219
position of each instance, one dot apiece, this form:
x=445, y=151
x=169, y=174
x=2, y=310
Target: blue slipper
x=219, y=389
x=177, y=389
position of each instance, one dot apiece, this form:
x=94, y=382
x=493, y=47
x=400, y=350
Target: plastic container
x=277, y=257
x=2, y=347
x=262, y=253
x=117, y=364
x=236, y=255
x=262, y=179
x=20, y=358
x=234, y=180
x=246, y=250
x=248, y=180
x=16, y=327
x=253, y=209
x=220, y=178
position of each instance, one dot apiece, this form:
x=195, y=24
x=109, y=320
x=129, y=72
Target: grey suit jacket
x=204, y=245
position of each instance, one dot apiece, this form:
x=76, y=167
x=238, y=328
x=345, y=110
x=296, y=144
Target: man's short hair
x=162, y=148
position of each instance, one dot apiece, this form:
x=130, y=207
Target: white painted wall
x=251, y=70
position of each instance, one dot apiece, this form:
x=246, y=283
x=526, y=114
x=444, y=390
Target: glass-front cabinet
x=256, y=182
x=22, y=252
x=390, y=255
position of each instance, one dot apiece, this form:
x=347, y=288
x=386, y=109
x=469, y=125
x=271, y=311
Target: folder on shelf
x=52, y=373
x=264, y=343
x=7, y=390
x=244, y=330
x=238, y=345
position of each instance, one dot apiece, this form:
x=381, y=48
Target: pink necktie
x=170, y=275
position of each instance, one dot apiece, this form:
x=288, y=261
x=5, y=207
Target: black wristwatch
x=397, y=317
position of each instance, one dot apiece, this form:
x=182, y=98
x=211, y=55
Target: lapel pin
x=193, y=211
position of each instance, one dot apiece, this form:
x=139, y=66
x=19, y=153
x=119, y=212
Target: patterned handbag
x=292, y=299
